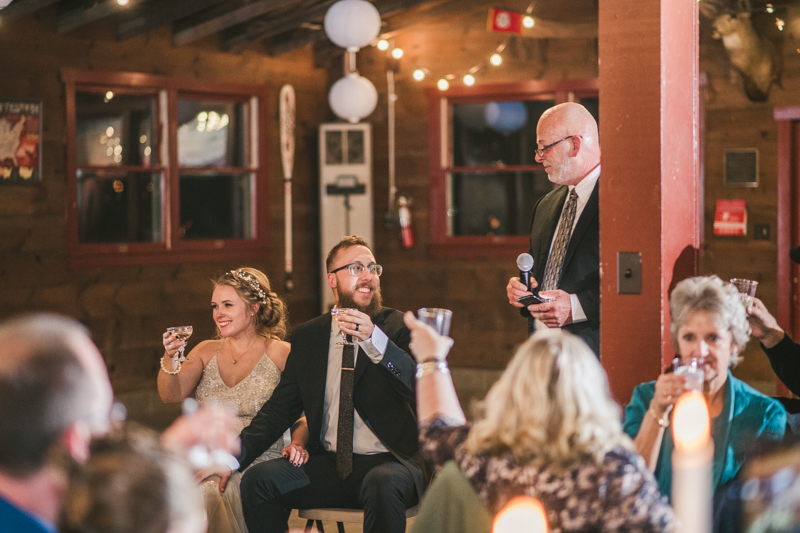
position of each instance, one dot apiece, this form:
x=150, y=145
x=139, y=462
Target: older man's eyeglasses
x=357, y=269
x=540, y=151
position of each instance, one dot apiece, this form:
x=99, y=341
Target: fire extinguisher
x=406, y=229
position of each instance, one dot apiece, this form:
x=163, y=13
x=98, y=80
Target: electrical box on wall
x=345, y=190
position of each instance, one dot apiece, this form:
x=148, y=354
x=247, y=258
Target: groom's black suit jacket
x=384, y=394
x=581, y=273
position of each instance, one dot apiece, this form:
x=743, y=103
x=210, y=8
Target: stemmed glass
x=181, y=333
x=336, y=312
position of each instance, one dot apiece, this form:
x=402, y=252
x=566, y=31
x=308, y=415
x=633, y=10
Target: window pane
x=123, y=207
x=496, y=133
x=212, y=133
x=216, y=206
x=355, y=147
x=494, y=203
x=333, y=148
x=114, y=129
x=592, y=104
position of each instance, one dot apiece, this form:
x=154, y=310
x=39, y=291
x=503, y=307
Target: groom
x=362, y=426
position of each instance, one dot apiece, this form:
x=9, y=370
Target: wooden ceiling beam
x=20, y=8
x=74, y=19
x=226, y=20
x=144, y=23
x=291, y=22
x=277, y=26
x=296, y=42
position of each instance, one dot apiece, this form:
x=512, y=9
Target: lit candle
x=522, y=513
x=692, y=464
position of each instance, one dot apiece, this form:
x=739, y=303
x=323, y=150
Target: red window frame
x=440, y=110
x=172, y=249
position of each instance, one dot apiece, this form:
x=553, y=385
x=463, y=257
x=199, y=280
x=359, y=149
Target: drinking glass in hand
x=747, y=290
x=692, y=372
x=181, y=333
x=438, y=319
x=339, y=315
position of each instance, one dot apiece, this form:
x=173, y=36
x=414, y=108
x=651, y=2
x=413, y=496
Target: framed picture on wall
x=741, y=168
x=20, y=142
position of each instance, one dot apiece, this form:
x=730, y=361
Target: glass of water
x=692, y=372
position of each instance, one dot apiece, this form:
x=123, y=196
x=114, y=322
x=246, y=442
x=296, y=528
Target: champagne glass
x=336, y=312
x=181, y=333
x=747, y=290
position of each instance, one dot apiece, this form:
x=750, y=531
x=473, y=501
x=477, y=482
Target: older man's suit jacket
x=384, y=394
x=581, y=273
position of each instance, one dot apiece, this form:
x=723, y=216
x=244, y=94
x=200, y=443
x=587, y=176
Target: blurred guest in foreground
x=241, y=367
x=549, y=429
x=708, y=324
x=54, y=396
x=131, y=485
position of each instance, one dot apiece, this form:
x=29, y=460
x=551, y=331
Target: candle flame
x=522, y=513
x=690, y=423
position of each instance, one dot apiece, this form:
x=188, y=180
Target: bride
x=242, y=367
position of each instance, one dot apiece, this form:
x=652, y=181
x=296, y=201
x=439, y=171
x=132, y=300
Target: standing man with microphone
x=564, y=241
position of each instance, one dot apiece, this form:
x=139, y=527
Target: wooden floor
x=296, y=524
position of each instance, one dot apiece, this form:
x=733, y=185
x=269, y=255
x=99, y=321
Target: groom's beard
x=346, y=301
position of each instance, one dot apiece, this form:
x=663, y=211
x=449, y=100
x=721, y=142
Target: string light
x=109, y=96
x=770, y=9
x=397, y=53
x=383, y=45
x=122, y=2
x=780, y=23
x=496, y=59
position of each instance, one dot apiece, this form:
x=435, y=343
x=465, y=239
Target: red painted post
x=649, y=183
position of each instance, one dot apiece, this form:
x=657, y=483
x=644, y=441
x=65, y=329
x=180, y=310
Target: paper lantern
x=506, y=117
x=353, y=97
x=352, y=24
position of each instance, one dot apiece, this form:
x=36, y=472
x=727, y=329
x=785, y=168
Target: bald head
x=569, y=161
x=51, y=376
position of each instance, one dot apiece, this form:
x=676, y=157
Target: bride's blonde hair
x=551, y=407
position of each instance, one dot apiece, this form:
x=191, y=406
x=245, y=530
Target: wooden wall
x=128, y=308
x=734, y=122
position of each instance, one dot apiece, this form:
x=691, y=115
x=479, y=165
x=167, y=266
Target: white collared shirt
x=364, y=440
x=584, y=191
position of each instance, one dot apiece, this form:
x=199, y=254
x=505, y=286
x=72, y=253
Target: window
x=484, y=177
x=164, y=170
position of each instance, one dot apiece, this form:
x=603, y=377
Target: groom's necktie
x=555, y=263
x=344, y=434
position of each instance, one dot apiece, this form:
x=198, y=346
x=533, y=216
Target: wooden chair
x=340, y=516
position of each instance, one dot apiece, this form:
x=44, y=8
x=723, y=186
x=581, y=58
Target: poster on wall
x=20, y=134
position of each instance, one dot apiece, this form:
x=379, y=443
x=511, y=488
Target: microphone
x=525, y=265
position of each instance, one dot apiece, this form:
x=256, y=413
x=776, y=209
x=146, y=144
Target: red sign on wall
x=501, y=20
x=730, y=218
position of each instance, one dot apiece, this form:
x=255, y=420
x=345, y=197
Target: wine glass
x=336, y=312
x=181, y=333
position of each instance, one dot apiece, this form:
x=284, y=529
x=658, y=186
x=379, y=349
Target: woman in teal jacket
x=708, y=323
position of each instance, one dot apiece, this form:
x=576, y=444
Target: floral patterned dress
x=619, y=495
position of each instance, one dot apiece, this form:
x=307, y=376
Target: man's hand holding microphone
x=552, y=308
